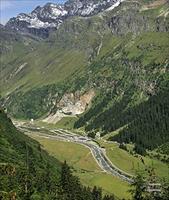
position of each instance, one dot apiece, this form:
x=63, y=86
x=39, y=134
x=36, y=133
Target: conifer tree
x=139, y=185
x=97, y=193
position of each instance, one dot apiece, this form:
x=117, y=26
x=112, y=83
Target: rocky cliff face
x=131, y=19
x=44, y=19
x=88, y=7
x=71, y=104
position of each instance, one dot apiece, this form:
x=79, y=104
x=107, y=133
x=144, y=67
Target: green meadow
x=84, y=166
x=130, y=163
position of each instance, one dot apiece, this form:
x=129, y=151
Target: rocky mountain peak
x=48, y=17
x=88, y=7
x=49, y=11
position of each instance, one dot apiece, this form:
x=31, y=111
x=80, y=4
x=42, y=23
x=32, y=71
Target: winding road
x=98, y=153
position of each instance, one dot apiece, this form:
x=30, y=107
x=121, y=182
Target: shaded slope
x=28, y=172
x=14, y=144
x=122, y=54
x=23, y=164
x=134, y=76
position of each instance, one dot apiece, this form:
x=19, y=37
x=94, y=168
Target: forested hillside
x=133, y=93
x=121, y=54
x=103, y=68
x=148, y=123
x=28, y=172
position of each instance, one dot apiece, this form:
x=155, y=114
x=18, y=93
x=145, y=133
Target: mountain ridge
x=42, y=20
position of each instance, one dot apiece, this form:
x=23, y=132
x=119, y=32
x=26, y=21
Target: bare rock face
x=129, y=19
x=128, y=22
x=88, y=7
x=71, y=104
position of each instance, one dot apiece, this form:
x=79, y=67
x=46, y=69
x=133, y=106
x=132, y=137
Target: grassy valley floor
x=130, y=163
x=85, y=167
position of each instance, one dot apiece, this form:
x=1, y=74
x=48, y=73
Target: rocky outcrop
x=132, y=19
x=71, y=104
x=88, y=7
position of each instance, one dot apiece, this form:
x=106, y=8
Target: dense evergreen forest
x=149, y=124
x=145, y=124
x=147, y=188
x=27, y=172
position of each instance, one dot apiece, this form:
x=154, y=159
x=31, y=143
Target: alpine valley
x=86, y=73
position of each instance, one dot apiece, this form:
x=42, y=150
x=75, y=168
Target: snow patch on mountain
x=89, y=7
x=34, y=22
x=114, y=5
x=44, y=17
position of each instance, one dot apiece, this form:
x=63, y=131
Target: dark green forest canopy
x=122, y=56
x=145, y=124
x=28, y=172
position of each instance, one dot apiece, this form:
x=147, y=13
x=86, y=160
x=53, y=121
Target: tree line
x=29, y=184
x=145, y=124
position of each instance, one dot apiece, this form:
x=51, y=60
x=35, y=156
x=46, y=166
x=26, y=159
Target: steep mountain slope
x=23, y=163
x=121, y=54
x=141, y=76
x=28, y=172
x=8, y=39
